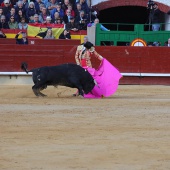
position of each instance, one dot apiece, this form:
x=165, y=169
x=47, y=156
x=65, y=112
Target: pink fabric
x=107, y=78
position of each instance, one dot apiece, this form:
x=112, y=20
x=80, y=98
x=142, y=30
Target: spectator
x=2, y=35
x=35, y=19
x=22, y=40
x=59, y=10
x=22, y=25
x=78, y=9
x=48, y=20
x=71, y=9
x=84, y=6
x=12, y=3
x=31, y=11
x=6, y=8
x=45, y=2
x=12, y=23
x=43, y=15
x=25, y=5
x=167, y=43
x=12, y=13
x=65, y=35
x=59, y=21
x=19, y=6
x=96, y=21
x=20, y=15
x=42, y=6
x=56, y=17
x=1, y=11
x=51, y=5
x=3, y=23
x=66, y=17
x=155, y=17
x=72, y=25
x=156, y=44
x=93, y=13
x=49, y=34
x=65, y=5
x=37, y=6
x=82, y=20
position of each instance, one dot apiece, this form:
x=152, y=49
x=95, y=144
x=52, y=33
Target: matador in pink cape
x=106, y=76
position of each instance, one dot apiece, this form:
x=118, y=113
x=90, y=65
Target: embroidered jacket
x=84, y=54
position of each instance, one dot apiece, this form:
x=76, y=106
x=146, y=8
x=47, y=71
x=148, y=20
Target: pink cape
x=107, y=78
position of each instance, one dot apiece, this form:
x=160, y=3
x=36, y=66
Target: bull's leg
x=41, y=94
x=75, y=83
x=36, y=89
x=80, y=90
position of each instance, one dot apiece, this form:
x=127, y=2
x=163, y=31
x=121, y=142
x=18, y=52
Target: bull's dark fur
x=70, y=75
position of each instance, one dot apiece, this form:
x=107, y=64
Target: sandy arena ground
x=127, y=131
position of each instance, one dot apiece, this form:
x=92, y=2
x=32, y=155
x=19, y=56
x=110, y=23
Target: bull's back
x=64, y=74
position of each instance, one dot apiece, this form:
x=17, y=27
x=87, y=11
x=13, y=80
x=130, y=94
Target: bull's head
x=88, y=86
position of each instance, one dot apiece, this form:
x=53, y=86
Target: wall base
x=16, y=80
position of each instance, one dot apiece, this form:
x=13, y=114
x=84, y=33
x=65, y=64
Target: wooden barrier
x=139, y=65
x=7, y=41
x=37, y=41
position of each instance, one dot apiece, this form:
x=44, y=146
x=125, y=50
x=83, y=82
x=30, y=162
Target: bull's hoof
x=42, y=95
x=80, y=96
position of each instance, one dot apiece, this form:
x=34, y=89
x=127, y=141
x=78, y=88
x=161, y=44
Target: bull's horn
x=95, y=83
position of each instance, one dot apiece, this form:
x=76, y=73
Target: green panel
x=128, y=36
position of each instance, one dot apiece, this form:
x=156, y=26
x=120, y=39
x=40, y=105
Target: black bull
x=70, y=75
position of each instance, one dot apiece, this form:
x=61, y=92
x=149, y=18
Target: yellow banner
x=39, y=30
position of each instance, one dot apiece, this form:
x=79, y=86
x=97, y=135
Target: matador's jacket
x=83, y=56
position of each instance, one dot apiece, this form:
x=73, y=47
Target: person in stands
x=96, y=21
x=65, y=35
x=49, y=34
x=167, y=43
x=3, y=23
x=23, y=40
x=2, y=35
x=72, y=25
x=12, y=23
x=22, y=25
x=154, y=16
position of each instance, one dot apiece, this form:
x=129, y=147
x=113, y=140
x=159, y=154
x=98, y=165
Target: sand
x=127, y=131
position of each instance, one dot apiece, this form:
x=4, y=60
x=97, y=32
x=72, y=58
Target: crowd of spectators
x=16, y=14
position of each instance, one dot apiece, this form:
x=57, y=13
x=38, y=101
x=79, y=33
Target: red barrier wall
x=126, y=59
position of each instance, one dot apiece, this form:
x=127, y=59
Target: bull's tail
x=24, y=67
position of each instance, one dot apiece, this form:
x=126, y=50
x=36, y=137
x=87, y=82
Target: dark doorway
x=125, y=14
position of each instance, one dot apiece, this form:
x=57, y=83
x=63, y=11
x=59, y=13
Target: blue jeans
x=155, y=27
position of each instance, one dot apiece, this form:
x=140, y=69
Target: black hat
x=88, y=45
